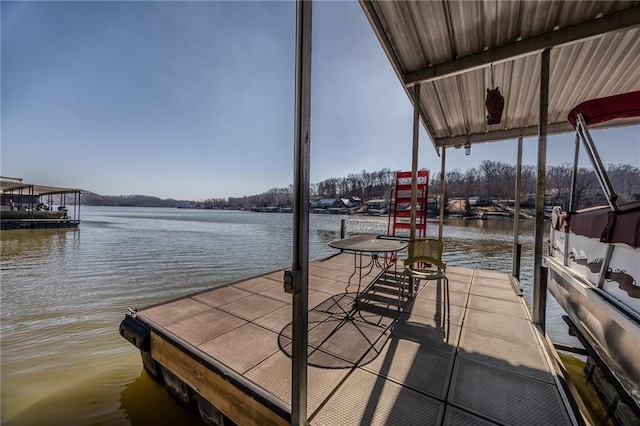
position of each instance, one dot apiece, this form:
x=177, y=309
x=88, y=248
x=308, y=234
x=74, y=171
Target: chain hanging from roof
x=494, y=102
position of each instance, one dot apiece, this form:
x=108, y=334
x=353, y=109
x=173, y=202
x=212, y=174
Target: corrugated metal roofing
x=448, y=47
x=17, y=186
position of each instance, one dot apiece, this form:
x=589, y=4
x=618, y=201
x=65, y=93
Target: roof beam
x=530, y=131
x=625, y=19
x=497, y=135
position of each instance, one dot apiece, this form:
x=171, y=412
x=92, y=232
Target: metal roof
x=448, y=47
x=15, y=185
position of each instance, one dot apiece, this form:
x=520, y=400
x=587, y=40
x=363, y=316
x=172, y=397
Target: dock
x=469, y=355
x=31, y=206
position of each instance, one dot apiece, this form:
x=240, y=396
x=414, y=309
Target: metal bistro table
x=372, y=245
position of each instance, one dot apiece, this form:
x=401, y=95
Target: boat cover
x=622, y=226
x=626, y=105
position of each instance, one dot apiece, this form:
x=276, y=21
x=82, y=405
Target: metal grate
x=459, y=283
x=485, y=273
x=169, y=313
x=317, y=298
x=256, y=285
x=419, y=367
x=339, y=287
x=501, y=282
x=503, y=396
x=274, y=375
x=500, y=325
x=278, y=293
x=221, y=296
x=415, y=329
x=252, y=307
x=460, y=272
x=375, y=315
x=318, y=283
x=439, y=312
x=367, y=399
x=495, y=292
x=204, y=326
x=457, y=298
x=319, y=358
x=514, y=355
x=502, y=307
x=340, y=304
x=320, y=270
x=315, y=319
x=276, y=320
x=242, y=348
x=456, y=417
x=348, y=340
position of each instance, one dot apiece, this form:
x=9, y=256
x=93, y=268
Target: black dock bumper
x=136, y=333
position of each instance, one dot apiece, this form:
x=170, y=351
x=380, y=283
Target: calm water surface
x=64, y=293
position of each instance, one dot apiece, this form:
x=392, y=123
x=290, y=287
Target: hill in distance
x=93, y=199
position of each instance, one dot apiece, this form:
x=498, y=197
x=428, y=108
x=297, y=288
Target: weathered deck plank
x=467, y=355
x=211, y=386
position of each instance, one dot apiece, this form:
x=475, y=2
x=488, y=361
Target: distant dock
x=473, y=357
x=31, y=206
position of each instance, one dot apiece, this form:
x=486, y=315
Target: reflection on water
x=64, y=293
x=145, y=402
x=36, y=243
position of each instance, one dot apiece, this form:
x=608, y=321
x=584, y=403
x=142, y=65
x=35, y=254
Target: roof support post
x=414, y=161
x=31, y=194
x=300, y=261
x=443, y=161
x=539, y=282
x=516, y=213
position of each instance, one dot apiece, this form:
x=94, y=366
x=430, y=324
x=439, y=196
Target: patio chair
x=422, y=252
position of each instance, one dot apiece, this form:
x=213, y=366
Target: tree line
x=492, y=179
x=497, y=180
x=92, y=199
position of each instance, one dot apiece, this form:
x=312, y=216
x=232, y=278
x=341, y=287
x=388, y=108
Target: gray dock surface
x=474, y=359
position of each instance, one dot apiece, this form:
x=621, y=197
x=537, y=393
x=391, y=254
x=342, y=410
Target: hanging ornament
x=494, y=103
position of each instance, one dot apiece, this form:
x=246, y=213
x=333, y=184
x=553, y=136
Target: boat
x=24, y=205
x=594, y=257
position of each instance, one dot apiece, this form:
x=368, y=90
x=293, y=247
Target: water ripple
x=64, y=292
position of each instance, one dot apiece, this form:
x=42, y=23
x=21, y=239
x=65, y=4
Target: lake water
x=64, y=293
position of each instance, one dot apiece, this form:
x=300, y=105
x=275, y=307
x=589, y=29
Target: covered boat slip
x=30, y=206
x=265, y=357
x=545, y=57
x=475, y=359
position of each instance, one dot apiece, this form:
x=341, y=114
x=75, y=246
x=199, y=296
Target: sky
x=195, y=100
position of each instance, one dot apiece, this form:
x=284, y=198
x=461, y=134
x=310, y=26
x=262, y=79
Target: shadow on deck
x=472, y=359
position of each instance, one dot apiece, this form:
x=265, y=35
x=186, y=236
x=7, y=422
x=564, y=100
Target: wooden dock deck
x=474, y=359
